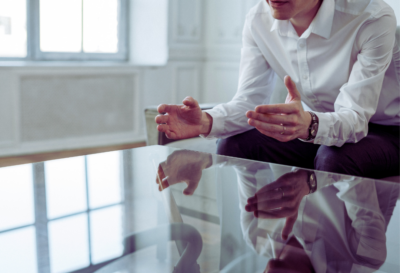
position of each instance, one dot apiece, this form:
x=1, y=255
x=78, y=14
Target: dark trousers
x=375, y=156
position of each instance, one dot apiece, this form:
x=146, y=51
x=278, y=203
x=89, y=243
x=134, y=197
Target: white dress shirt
x=346, y=66
x=341, y=226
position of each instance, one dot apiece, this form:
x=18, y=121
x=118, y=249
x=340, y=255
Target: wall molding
x=18, y=146
x=187, y=27
x=177, y=95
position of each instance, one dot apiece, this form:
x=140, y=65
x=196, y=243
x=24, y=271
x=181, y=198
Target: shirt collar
x=281, y=25
x=321, y=25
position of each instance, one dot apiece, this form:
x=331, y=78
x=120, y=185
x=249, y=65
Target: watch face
x=314, y=129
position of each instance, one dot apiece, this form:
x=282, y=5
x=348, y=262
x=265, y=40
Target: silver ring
x=284, y=129
x=283, y=193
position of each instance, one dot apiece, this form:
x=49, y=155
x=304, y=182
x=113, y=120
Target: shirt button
x=305, y=77
x=301, y=45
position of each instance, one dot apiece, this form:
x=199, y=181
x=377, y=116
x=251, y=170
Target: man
x=341, y=67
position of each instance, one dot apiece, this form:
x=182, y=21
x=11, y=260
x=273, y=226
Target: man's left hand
x=283, y=122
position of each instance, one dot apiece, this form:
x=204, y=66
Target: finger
x=278, y=136
x=252, y=200
x=277, y=193
x=291, y=87
x=191, y=102
x=272, y=195
x=264, y=195
x=288, y=227
x=160, y=174
x=162, y=119
x=273, y=118
x=277, y=214
x=190, y=189
x=251, y=207
x=165, y=129
x=273, y=128
x=290, y=108
x=167, y=108
x=276, y=266
x=165, y=183
x=273, y=204
x=282, y=182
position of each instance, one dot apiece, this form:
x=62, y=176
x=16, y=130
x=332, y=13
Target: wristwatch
x=312, y=181
x=313, y=129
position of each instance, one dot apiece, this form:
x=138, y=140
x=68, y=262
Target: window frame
x=34, y=53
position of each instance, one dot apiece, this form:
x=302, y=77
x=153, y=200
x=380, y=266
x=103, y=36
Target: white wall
x=58, y=106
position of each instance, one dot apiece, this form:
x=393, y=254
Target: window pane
x=18, y=251
x=100, y=26
x=16, y=197
x=106, y=233
x=65, y=186
x=104, y=179
x=13, y=28
x=69, y=245
x=61, y=25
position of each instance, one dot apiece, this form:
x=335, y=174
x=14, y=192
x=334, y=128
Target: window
x=63, y=29
x=62, y=215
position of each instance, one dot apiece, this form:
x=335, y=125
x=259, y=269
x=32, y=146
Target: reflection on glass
x=13, y=28
x=18, y=251
x=60, y=25
x=106, y=233
x=16, y=197
x=104, y=179
x=68, y=241
x=65, y=186
x=100, y=26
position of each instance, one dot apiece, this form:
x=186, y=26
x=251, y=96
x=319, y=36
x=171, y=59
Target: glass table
x=160, y=209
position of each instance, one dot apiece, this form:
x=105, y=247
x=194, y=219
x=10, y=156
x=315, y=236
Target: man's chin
x=280, y=16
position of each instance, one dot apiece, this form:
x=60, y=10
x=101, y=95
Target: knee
x=230, y=146
x=331, y=159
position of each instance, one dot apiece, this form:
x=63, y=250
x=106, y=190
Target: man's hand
x=183, y=121
x=283, y=122
x=183, y=166
x=280, y=199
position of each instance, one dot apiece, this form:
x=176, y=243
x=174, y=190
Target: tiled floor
x=24, y=159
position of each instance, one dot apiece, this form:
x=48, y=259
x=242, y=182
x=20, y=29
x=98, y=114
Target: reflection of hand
x=280, y=199
x=183, y=166
x=183, y=121
x=293, y=259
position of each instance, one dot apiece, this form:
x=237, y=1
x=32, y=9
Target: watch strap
x=313, y=128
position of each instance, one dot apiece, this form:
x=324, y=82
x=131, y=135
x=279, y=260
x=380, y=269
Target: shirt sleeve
x=358, y=98
x=256, y=84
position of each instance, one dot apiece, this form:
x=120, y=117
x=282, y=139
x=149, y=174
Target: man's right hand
x=183, y=121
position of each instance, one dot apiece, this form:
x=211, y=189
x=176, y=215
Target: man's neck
x=303, y=20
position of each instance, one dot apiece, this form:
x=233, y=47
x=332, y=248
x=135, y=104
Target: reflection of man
x=342, y=109
x=339, y=228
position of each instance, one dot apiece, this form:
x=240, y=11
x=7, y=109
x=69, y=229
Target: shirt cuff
x=323, y=134
x=217, y=126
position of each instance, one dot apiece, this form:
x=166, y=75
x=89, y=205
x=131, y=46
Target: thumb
x=288, y=226
x=190, y=189
x=191, y=102
x=292, y=89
